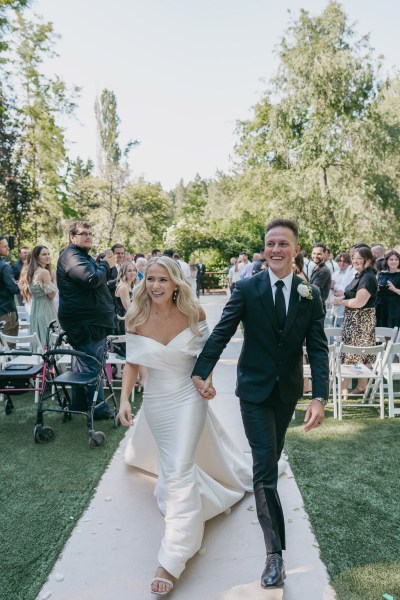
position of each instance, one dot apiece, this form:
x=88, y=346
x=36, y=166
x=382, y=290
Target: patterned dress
x=359, y=323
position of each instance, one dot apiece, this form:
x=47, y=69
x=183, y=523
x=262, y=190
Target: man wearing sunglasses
x=86, y=311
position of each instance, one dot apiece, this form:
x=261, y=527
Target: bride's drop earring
x=175, y=295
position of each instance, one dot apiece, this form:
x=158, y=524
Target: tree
x=310, y=150
x=40, y=102
x=113, y=174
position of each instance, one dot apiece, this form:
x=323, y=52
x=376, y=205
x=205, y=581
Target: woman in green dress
x=43, y=290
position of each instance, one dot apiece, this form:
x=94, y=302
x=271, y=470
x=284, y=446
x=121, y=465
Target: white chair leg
x=340, y=415
x=391, y=398
x=382, y=400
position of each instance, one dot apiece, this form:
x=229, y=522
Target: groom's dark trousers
x=270, y=378
x=265, y=424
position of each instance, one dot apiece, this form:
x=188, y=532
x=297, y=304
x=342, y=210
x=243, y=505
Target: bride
x=166, y=330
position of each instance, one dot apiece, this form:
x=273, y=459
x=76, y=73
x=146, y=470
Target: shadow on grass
x=348, y=474
x=44, y=490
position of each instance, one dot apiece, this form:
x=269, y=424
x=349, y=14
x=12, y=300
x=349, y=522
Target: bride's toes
x=162, y=583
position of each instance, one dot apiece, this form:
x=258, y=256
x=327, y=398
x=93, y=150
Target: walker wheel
x=117, y=422
x=43, y=434
x=97, y=438
x=8, y=408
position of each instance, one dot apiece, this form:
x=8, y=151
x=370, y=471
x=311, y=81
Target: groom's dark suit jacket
x=267, y=355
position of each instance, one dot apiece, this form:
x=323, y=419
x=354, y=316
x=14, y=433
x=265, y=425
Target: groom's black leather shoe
x=274, y=573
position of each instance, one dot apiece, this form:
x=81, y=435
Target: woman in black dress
x=388, y=306
x=359, y=301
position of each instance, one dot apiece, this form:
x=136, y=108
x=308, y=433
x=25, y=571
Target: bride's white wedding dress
x=201, y=472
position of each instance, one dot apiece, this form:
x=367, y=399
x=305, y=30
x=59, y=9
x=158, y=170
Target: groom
x=278, y=317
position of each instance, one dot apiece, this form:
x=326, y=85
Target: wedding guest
x=86, y=310
x=340, y=280
x=8, y=289
x=43, y=290
x=359, y=301
x=388, y=302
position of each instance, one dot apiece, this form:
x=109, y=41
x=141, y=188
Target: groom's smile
x=280, y=249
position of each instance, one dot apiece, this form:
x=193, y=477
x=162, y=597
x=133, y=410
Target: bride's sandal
x=163, y=585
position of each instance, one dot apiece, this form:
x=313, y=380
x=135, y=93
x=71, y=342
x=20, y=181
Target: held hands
x=125, y=413
x=204, y=387
x=314, y=415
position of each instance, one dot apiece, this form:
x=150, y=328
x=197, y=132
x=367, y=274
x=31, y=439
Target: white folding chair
x=333, y=334
x=391, y=372
x=359, y=371
x=384, y=334
x=114, y=360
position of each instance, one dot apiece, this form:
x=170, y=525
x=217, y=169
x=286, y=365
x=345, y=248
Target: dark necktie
x=280, y=305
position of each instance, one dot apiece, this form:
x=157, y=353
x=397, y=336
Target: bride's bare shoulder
x=202, y=314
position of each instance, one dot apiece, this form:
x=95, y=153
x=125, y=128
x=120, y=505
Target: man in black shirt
x=86, y=311
x=321, y=275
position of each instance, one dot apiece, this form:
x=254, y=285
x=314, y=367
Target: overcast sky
x=183, y=71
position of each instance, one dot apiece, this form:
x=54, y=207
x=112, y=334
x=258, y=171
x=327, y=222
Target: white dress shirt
x=287, y=286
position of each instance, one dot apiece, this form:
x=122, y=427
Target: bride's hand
x=125, y=413
x=208, y=392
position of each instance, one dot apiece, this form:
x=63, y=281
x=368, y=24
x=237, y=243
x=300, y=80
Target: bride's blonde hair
x=139, y=310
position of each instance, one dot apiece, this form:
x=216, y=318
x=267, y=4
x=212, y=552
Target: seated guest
x=298, y=266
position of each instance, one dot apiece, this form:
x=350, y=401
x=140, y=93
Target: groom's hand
x=204, y=387
x=314, y=415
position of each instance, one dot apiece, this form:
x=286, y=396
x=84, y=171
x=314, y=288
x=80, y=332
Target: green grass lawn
x=44, y=489
x=348, y=473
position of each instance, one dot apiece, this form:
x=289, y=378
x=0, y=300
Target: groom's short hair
x=292, y=225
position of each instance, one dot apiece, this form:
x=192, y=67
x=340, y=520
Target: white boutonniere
x=304, y=290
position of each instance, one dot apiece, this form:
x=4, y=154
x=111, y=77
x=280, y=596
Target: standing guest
x=8, y=289
x=166, y=330
x=260, y=264
x=183, y=265
x=330, y=262
x=127, y=278
x=141, y=263
x=201, y=275
x=17, y=267
x=321, y=275
x=234, y=274
x=388, y=302
x=378, y=253
x=309, y=266
x=193, y=276
x=359, y=323
x=86, y=311
x=168, y=252
x=119, y=252
x=23, y=285
x=42, y=287
x=155, y=252
x=279, y=312
x=340, y=280
x=298, y=266
x=248, y=270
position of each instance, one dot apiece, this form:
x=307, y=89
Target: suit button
x=279, y=362
x=280, y=343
